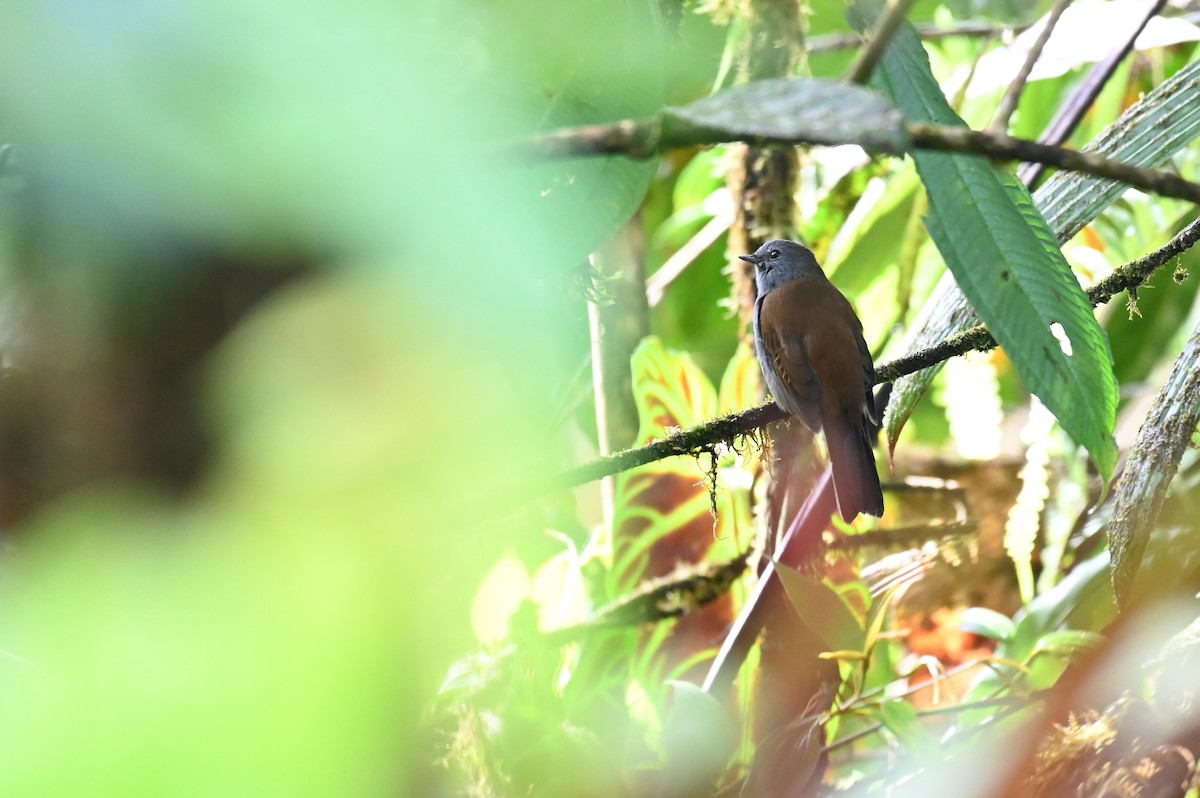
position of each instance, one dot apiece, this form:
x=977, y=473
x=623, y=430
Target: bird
x=817, y=366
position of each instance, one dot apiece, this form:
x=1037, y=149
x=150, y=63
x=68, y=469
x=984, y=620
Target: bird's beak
x=749, y=259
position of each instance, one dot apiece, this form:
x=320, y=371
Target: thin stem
x=877, y=41
x=1012, y=96
x=1001, y=701
x=848, y=41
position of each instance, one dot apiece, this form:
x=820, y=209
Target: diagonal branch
x=997, y=145
x=877, y=41
x=727, y=429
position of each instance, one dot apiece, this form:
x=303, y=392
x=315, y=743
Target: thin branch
x=639, y=139
x=656, y=284
x=997, y=145
x=727, y=429
x=878, y=40
x=848, y=41
x=704, y=436
x=1012, y=96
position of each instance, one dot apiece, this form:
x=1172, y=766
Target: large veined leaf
x=1148, y=133
x=1009, y=265
x=823, y=611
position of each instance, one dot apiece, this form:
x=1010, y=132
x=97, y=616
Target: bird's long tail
x=855, y=479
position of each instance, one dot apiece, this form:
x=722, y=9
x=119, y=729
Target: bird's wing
x=789, y=372
x=868, y=369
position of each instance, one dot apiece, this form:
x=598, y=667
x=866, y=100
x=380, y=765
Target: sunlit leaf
x=823, y=611
x=1021, y=527
x=902, y=720
x=988, y=623
x=500, y=593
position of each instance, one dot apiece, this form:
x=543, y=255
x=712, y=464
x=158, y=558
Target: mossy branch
x=728, y=429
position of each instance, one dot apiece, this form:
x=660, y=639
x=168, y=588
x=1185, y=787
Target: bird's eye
x=773, y=254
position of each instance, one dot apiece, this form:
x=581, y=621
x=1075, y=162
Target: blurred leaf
x=1024, y=517
x=662, y=510
x=1009, y=265
x=699, y=736
x=1067, y=643
x=902, y=720
x=811, y=110
x=988, y=623
x=559, y=589
x=200, y=629
x=970, y=394
x=700, y=178
x=1087, y=32
x=500, y=593
x=595, y=62
x=822, y=611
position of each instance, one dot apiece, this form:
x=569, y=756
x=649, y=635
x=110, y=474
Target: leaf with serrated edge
x=1008, y=264
x=1147, y=134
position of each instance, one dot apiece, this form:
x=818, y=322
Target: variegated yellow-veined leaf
x=663, y=512
x=669, y=390
x=742, y=383
x=741, y=387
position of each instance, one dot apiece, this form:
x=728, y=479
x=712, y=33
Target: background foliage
x=284, y=320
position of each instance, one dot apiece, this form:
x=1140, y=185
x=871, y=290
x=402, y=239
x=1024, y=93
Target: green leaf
x=586, y=50
x=857, y=257
x=699, y=736
x=1147, y=134
x=798, y=109
x=1009, y=265
x=823, y=611
x=902, y=720
x=1067, y=642
x=988, y=623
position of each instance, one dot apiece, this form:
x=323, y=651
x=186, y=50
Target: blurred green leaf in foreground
x=270, y=619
